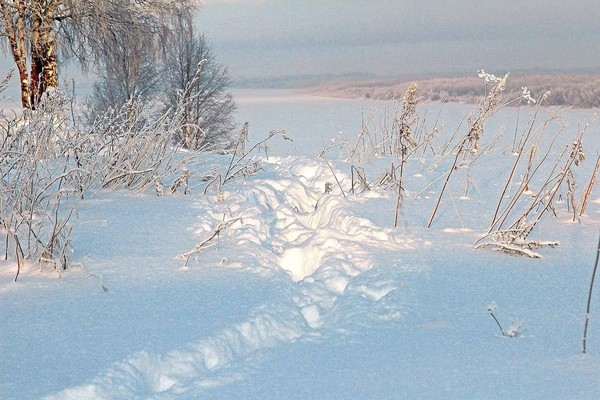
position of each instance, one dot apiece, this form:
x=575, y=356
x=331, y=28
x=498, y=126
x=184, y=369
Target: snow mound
x=291, y=222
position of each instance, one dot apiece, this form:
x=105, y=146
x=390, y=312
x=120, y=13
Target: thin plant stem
x=336, y=179
x=439, y=199
x=523, y=142
x=498, y=323
x=588, y=190
x=398, y=201
x=589, y=301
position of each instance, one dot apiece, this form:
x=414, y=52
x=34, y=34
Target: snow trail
x=286, y=225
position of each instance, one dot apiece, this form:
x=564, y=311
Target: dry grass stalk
x=538, y=199
x=387, y=179
x=359, y=179
x=589, y=300
x=336, y=178
x=183, y=180
x=364, y=146
x=588, y=188
x=529, y=170
x=240, y=163
x=469, y=145
x=571, y=200
x=405, y=143
x=515, y=239
x=223, y=226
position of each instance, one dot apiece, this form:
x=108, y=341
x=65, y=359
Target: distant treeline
x=574, y=90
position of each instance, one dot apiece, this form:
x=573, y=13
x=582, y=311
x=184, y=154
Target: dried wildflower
x=546, y=94
x=471, y=141
x=488, y=78
x=469, y=145
x=578, y=152
x=407, y=120
x=526, y=95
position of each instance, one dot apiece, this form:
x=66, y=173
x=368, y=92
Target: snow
x=306, y=294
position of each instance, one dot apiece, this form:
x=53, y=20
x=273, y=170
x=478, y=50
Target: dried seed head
x=526, y=95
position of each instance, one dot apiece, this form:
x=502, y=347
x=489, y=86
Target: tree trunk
x=41, y=44
x=44, y=66
x=50, y=65
x=15, y=30
x=36, y=63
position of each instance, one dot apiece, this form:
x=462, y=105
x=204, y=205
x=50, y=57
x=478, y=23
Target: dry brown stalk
x=405, y=143
x=469, y=145
x=361, y=179
x=588, y=189
x=360, y=145
x=223, y=226
x=589, y=300
x=515, y=239
x=530, y=172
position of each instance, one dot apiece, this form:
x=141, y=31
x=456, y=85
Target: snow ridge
x=288, y=226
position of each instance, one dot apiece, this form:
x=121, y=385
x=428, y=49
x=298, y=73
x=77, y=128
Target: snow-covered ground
x=306, y=294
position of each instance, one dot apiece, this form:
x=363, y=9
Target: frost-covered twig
x=40, y=182
x=4, y=81
x=519, y=248
x=223, y=226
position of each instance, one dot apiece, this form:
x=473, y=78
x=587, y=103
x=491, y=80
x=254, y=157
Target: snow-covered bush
x=133, y=147
x=42, y=178
x=49, y=161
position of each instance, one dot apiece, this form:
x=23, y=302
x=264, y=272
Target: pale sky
x=279, y=38
x=262, y=38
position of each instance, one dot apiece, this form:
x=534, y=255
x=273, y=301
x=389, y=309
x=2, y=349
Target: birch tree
x=195, y=81
x=129, y=72
x=37, y=32
x=188, y=81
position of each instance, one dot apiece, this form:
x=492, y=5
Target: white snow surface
x=307, y=295
x=285, y=224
